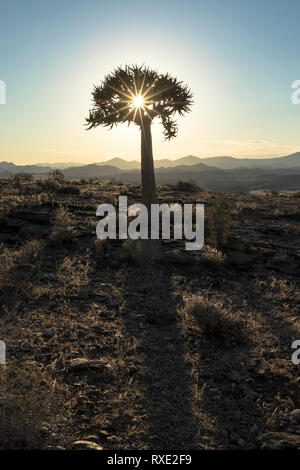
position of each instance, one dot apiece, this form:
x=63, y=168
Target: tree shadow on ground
x=165, y=384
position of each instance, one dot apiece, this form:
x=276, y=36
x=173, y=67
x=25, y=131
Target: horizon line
x=156, y=159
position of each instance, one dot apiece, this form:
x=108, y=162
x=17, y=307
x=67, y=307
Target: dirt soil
x=102, y=346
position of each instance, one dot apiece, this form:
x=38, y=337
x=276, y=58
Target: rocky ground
x=105, y=350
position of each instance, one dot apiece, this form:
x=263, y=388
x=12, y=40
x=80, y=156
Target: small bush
x=58, y=176
x=164, y=187
x=53, y=180
x=218, y=222
x=75, y=270
x=212, y=257
x=29, y=400
x=34, y=200
x=31, y=251
x=63, y=230
x=187, y=187
x=20, y=178
x=9, y=288
x=213, y=319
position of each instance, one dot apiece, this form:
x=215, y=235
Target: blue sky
x=239, y=58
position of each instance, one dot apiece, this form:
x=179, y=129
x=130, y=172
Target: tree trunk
x=149, y=195
x=150, y=248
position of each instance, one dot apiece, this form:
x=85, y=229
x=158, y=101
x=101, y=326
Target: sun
x=138, y=101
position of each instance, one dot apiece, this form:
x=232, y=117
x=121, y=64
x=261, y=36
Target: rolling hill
x=220, y=173
x=224, y=163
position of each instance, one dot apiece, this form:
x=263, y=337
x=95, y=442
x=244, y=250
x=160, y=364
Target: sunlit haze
x=238, y=58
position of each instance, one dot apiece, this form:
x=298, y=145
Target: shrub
x=31, y=251
x=63, y=230
x=75, y=270
x=187, y=187
x=30, y=399
x=53, y=180
x=9, y=288
x=212, y=257
x=58, y=176
x=20, y=178
x=213, y=319
x=218, y=222
x=34, y=200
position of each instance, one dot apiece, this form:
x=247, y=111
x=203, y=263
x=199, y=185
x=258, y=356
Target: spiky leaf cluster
x=163, y=95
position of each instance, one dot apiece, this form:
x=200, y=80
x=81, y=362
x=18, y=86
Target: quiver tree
x=138, y=94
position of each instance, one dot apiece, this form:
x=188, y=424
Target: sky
x=239, y=58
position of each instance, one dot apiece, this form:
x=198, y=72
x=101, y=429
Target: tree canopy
x=138, y=94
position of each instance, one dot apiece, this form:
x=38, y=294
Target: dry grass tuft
x=31, y=251
x=75, y=270
x=212, y=257
x=53, y=181
x=187, y=187
x=30, y=399
x=213, y=319
x=218, y=222
x=63, y=230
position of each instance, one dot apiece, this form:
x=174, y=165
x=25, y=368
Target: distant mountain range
x=220, y=173
x=9, y=169
x=224, y=163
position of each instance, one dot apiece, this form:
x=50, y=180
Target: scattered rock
x=234, y=376
x=54, y=448
x=31, y=216
x=8, y=402
x=241, y=443
x=279, y=441
x=113, y=439
x=237, y=258
x=86, y=445
x=81, y=363
x=295, y=414
x=92, y=438
x=49, y=333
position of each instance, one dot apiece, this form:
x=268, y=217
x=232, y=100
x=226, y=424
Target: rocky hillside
x=192, y=351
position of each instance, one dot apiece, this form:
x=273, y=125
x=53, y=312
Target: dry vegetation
x=192, y=352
